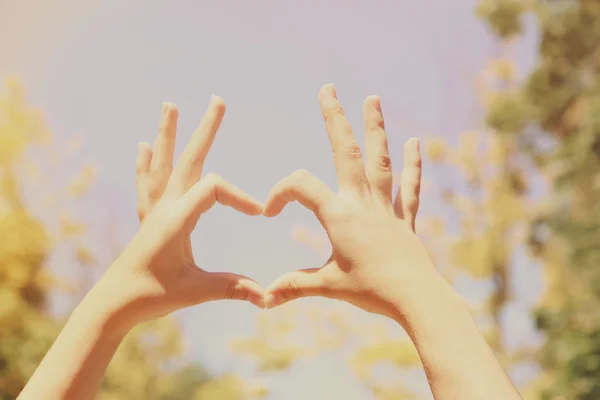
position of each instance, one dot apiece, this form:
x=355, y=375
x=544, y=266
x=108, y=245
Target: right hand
x=156, y=274
x=376, y=255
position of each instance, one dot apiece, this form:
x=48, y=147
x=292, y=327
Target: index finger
x=346, y=152
x=212, y=189
x=300, y=186
x=189, y=166
x=164, y=147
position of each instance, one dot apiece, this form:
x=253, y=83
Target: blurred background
x=504, y=95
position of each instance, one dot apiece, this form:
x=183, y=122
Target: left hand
x=156, y=274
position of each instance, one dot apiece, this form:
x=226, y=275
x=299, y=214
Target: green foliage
x=561, y=96
x=27, y=329
x=507, y=113
x=504, y=16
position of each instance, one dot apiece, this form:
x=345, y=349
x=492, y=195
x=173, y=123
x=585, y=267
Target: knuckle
x=413, y=182
x=141, y=213
x=335, y=212
x=212, y=178
x=376, y=122
x=333, y=112
x=384, y=162
x=352, y=150
x=193, y=162
x=232, y=291
x=414, y=162
x=154, y=192
x=300, y=175
x=411, y=203
x=293, y=290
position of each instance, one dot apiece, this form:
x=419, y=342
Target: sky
x=101, y=69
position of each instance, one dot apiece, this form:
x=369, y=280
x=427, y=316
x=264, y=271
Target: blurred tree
x=553, y=116
x=26, y=332
x=139, y=369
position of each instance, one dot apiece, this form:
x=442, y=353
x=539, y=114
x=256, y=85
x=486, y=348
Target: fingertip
x=328, y=87
x=257, y=209
x=373, y=100
x=256, y=293
x=328, y=90
x=217, y=102
x=412, y=144
x=144, y=146
x=247, y=204
x=169, y=108
x=257, y=300
x=271, y=210
x=272, y=300
x=268, y=209
x=268, y=213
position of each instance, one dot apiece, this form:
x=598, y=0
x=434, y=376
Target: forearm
x=76, y=363
x=458, y=362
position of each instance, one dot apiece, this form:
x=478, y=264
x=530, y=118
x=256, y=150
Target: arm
x=156, y=273
x=76, y=363
x=379, y=264
x=458, y=362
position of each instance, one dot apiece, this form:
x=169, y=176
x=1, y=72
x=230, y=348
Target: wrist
x=422, y=297
x=110, y=308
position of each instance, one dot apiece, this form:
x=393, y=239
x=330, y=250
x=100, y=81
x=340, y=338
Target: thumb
x=297, y=284
x=228, y=286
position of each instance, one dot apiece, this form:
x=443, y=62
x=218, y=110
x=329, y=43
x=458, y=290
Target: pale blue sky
x=101, y=69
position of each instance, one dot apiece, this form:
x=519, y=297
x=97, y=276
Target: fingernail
x=329, y=95
x=331, y=90
x=412, y=144
x=375, y=102
x=212, y=99
x=140, y=146
x=163, y=107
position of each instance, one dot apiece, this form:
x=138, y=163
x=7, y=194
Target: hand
x=375, y=251
x=156, y=274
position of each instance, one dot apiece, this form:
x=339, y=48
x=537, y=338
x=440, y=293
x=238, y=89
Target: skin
x=378, y=263
x=156, y=273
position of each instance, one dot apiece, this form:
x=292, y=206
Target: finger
x=164, y=146
x=228, y=286
x=300, y=186
x=142, y=168
x=406, y=205
x=189, y=166
x=211, y=189
x=297, y=284
x=346, y=152
x=378, y=166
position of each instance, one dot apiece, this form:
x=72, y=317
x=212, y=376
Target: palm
x=362, y=220
x=170, y=203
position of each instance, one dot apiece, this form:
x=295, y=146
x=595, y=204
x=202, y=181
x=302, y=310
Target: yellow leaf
x=80, y=184
x=436, y=149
